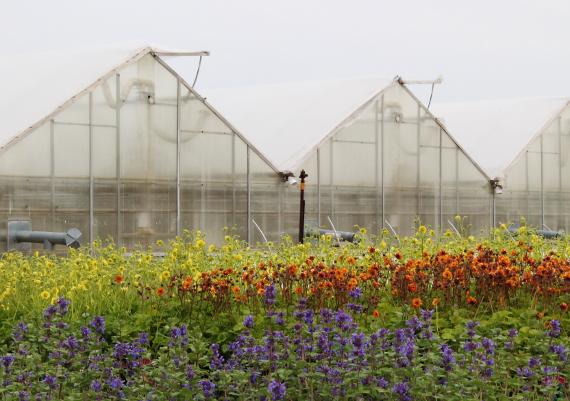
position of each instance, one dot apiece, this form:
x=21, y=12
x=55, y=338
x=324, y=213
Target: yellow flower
x=200, y=243
x=211, y=248
x=44, y=295
x=165, y=275
x=422, y=229
x=383, y=245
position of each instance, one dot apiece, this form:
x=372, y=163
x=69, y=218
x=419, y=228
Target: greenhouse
x=374, y=155
x=115, y=143
x=524, y=145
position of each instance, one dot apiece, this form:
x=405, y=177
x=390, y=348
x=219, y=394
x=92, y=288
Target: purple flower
x=277, y=390
x=402, y=390
x=23, y=396
x=115, y=383
x=447, y=357
x=554, y=329
x=534, y=362
x=427, y=315
x=217, y=360
x=415, y=324
x=488, y=345
x=49, y=312
x=270, y=295
x=280, y=318
x=355, y=293
x=63, y=305
x=248, y=322
x=20, y=331
x=98, y=324
x=525, y=372
x=96, y=386
x=8, y=361
x=51, y=381
x=559, y=350
x=143, y=339
x=208, y=388
x=85, y=332
x=382, y=383
x=470, y=326
x=190, y=372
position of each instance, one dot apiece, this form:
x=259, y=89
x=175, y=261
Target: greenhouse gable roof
x=494, y=132
x=37, y=85
x=288, y=121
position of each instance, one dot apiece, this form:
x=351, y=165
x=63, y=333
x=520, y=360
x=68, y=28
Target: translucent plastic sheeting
x=137, y=158
x=494, y=132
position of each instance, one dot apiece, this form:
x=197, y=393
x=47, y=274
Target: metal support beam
x=377, y=166
x=331, y=179
x=248, y=175
x=91, y=180
x=541, y=182
x=418, y=166
x=440, y=212
x=52, y=171
x=118, y=104
x=234, y=205
x=382, y=163
x=178, y=200
x=319, y=187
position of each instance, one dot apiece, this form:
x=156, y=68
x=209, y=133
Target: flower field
x=418, y=318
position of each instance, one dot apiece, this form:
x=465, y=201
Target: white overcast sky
x=482, y=48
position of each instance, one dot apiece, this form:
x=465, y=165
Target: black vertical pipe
x=302, y=207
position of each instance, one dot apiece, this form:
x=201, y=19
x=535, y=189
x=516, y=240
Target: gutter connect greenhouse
x=116, y=144
x=524, y=144
x=375, y=156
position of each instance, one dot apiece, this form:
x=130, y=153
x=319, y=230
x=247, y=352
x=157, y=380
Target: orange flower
x=447, y=274
x=412, y=287
x=350, y=260
x=416, y=303
x=119, y=279
x=539, y=315
x=471, y=300
x=564, y=306
x=376, y=314
x=260, y=291
x=236, y=290
x=352, y=283
x=160, y=291
x=435, y=302
x=299, y=290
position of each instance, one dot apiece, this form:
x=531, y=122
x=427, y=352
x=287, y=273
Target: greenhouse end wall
x=139, y=158
x=537, y=183
x=390, y=164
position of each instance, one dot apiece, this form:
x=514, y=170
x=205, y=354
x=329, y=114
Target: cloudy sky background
x=483, y=49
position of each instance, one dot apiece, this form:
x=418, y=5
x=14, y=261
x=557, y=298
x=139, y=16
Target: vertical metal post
x=542, y=182
x=302, y=176
x=52, y=171
x=319, y=187
x=382, y=163
x=560, y=213
x=440, y=223
x=332, y=179
x=248, y=175
x=527, y=184
x=493, y=208
x=91, y=181
x=118, y=104
x=418, y=166
x=178, y=199
x=456, y=181
x=233, y=179
x=377, y=165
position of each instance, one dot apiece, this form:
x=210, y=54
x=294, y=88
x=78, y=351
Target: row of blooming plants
x=460, y=276
x=296, y=354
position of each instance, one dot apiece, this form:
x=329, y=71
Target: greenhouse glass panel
x=148, y=137
x=27, y=186
x=212, y=170
x=264, y=208
x=401, y=141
